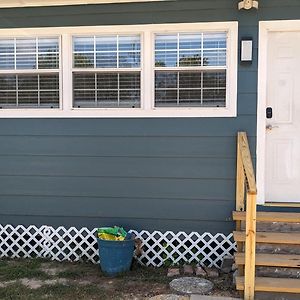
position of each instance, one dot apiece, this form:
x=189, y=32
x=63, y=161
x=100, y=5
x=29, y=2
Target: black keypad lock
x=269, y=113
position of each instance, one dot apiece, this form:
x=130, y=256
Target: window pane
x=26, y=61
x=166, y=80
x=7, y=46
x=107, y=81
x=214, y=57
x=214, y=49
x=107, y=89
x=214, y=97
x=7, y=82
x=84, y=81
x=8, y=99
x=27, y=82
x=48, y=45
x=49, y=99
x=166, y=42
x=129, y=43
x=7, y=57
x=129, y=81
x=28, y=98
x=190, y=41
x=214, y=79
x=166, y=98
x=129, y=59
x=190, y=49
x=106, y=60
x=49, y=82
x=107, y=98
x=83, y=44
x=7, y=62
x=107, y=51
x=29, y=91
x=189, y=58
x=190, y=80
x=166, y=59
x=214, y=40
x=8, y=93
x=48, y=53
x=130, y=98
x=106, y=43
x=84, y=98
x=190, y=88
x=22, y=53
x=49, y=90
x=190, y=98
x=83, y=60
x=25, y=46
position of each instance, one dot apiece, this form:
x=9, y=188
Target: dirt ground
x=37, y=279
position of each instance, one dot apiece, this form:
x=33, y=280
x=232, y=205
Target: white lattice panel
x=74, y=244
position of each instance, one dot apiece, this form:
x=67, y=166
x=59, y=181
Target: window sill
x=118, y=113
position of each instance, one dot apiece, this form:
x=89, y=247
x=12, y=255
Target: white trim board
x=264, y=28
x=147, y=100
x=30, y=3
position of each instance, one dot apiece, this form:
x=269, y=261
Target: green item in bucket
x=111, y=233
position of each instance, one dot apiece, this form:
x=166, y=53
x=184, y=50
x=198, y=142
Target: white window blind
x=29, y=73
x=107, y=71
x=190, y=69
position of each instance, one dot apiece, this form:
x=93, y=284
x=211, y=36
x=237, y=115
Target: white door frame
x=264, y=28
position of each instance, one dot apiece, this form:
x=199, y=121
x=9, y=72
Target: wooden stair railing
x=246, y=200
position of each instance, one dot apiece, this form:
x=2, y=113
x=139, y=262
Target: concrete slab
x=201, y=297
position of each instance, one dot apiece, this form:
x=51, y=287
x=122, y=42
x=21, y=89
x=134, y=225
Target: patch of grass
x=71, y=274
x=17, y=292
x=21, y=268
x=53, y=292
x=72, y=291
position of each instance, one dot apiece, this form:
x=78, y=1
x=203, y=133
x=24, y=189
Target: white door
x=282, y=153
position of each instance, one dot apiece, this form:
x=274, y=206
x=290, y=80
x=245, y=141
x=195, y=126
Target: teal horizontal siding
x=156, y=174
x=117, y=207
x=122, y=146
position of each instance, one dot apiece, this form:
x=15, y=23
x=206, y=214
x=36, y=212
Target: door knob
x=270, y=127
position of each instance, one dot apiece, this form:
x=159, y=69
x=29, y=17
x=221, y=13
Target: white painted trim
x=147, y=84
x=264, y=28
x=30, y=3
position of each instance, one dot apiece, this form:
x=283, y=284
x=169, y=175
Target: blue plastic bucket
x=115, y=256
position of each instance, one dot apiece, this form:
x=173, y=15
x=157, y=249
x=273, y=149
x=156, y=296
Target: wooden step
x=271, y=260
x=270, y=237
x=269, y=217
x=267, y=284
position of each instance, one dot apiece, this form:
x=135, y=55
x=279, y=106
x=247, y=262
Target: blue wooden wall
x=165, y=174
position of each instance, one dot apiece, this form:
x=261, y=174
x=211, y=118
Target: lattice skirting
x=81, y=244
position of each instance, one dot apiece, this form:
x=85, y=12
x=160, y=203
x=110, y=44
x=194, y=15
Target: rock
x=200, y=271
x=169, y=297
x=191, y=285
x=227, y=263
x=188, y=270
x=234, y=276
x=234, y=267
x=173, y=272
x=212, y=272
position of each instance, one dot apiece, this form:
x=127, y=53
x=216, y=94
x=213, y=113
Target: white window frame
x=37, y=71
x=29, y=3
x=147, y=109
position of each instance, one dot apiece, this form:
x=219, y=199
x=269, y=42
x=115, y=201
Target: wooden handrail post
x=240, y=178
x=250, y=247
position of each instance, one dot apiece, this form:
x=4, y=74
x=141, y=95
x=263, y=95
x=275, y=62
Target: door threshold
x=282, y=204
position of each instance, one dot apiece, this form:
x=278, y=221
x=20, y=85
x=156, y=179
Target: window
x=163, y=70
x=190, y=70
x=29, y=73
x=107, y=71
